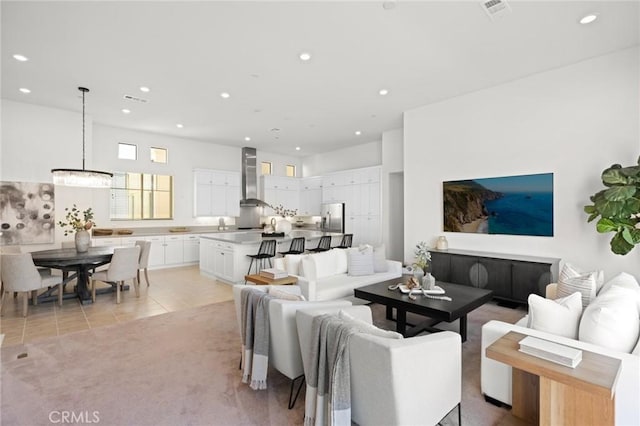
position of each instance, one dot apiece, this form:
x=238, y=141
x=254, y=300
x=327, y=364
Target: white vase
x=283, y=225
x=429, y=281
x=83, y=241
x=442, y=243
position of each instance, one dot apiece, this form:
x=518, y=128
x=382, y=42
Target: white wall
x=36, y=139
x=392, y=193
x=352, y=157
x=573, y=121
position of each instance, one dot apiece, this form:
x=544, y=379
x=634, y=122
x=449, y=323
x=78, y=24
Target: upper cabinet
x=216, y=193
x=310, y=196
x=283, y=190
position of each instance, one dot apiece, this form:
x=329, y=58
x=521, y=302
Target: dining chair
x=266, y=251
x=323, y=245
x=123, y=266
x=20, y=275
x=345, y=242
x=143, y=262
x=296, y=247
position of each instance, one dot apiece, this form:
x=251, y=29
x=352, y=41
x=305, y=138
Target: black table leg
x=463, y=328
x=401, y=320
x=389, y=312
x=82, y=286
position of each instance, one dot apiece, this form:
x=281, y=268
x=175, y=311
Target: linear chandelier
x=82, y=177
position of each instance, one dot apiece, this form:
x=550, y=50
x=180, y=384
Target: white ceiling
x=190, y=52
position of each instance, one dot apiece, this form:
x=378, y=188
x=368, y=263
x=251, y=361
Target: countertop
x=153, y=231
x=253, y=237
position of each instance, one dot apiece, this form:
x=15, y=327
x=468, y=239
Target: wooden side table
x=551, y=394
x=260, y=280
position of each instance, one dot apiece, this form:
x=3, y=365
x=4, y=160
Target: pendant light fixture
x=82, y=177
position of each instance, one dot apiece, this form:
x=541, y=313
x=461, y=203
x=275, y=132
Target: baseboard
x=495, y=402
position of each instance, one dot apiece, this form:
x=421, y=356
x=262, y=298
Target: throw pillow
x=636, y=350
x=326, y=263
x=569, y=270
x=584, y=284
x=292, y=263
x=283, y=294
x=365, y=327
x=623, y=280
x=560, y=316
x=359, y=262
x=380, y=259
x=611, y=320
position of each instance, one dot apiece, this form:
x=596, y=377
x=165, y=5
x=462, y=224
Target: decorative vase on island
x=284, y=226
x=429, y=281
x=82, y=240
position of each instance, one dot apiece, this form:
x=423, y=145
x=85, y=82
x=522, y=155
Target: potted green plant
x=618, y=206
x=79, y=222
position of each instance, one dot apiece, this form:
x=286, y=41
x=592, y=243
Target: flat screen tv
x=511, y=205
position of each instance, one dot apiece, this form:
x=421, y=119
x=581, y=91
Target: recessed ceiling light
x=20, y=58
x=126, y=111
x=24, y=90
x=587, y=19
x=180, y=126
x=358, y=132
x=225, y=95
x=144, y=89
x=383, y=92
x=247, y=138
x=297, y=148
x=305, y=56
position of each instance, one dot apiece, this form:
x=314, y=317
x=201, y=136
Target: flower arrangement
x=77, y=220
x=281, y=211
x=423, y=257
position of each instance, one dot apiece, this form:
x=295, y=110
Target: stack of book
x=273, y=273
x=551, y=351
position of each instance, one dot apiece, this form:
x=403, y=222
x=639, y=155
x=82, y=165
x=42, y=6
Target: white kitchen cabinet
x=191, y=248
x=216, y=193
x=310, y=196
x=173, y=249
x=207, y=256
x=101, y=242
x=223, y=261
x=156, y=253
x=280, y=190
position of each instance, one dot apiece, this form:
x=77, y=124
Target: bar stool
x=266, y=251
x=323, y=245
x=346, y=241
x=296, y=247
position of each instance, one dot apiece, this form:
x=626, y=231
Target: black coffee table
x=464, y=300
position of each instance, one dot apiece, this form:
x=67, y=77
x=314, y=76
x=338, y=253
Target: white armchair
x=284, y=346
x=413, y=381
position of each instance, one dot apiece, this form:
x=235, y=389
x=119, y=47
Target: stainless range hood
x=250, y=180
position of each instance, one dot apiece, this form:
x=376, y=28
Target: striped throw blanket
x=328, y=397
x=254, y=307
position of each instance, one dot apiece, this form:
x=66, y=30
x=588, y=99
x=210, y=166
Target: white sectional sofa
x=334, y=274
x=496, y=376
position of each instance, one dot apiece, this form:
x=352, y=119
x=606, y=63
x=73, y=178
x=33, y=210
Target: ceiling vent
x=495, y=8
x=135, y=99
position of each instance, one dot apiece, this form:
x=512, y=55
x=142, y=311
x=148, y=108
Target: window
x=127, y=151
x=141, y=196
x=291, y=170
x=266, y=168
x=158, y=155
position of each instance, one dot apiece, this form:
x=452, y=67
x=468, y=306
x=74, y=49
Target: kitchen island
x=224, y=255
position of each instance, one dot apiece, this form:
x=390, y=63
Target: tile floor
x=171, y=290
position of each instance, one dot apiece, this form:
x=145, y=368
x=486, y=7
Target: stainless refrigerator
x=333, y=217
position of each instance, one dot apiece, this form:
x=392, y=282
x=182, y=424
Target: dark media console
x=511, y=277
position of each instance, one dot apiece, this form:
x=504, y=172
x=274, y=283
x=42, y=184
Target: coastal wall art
x=512, y=205
x=27, y=213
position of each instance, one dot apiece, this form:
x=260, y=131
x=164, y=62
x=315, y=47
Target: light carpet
x=179, y=368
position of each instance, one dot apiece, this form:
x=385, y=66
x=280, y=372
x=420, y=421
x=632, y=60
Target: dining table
x=69, y=259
